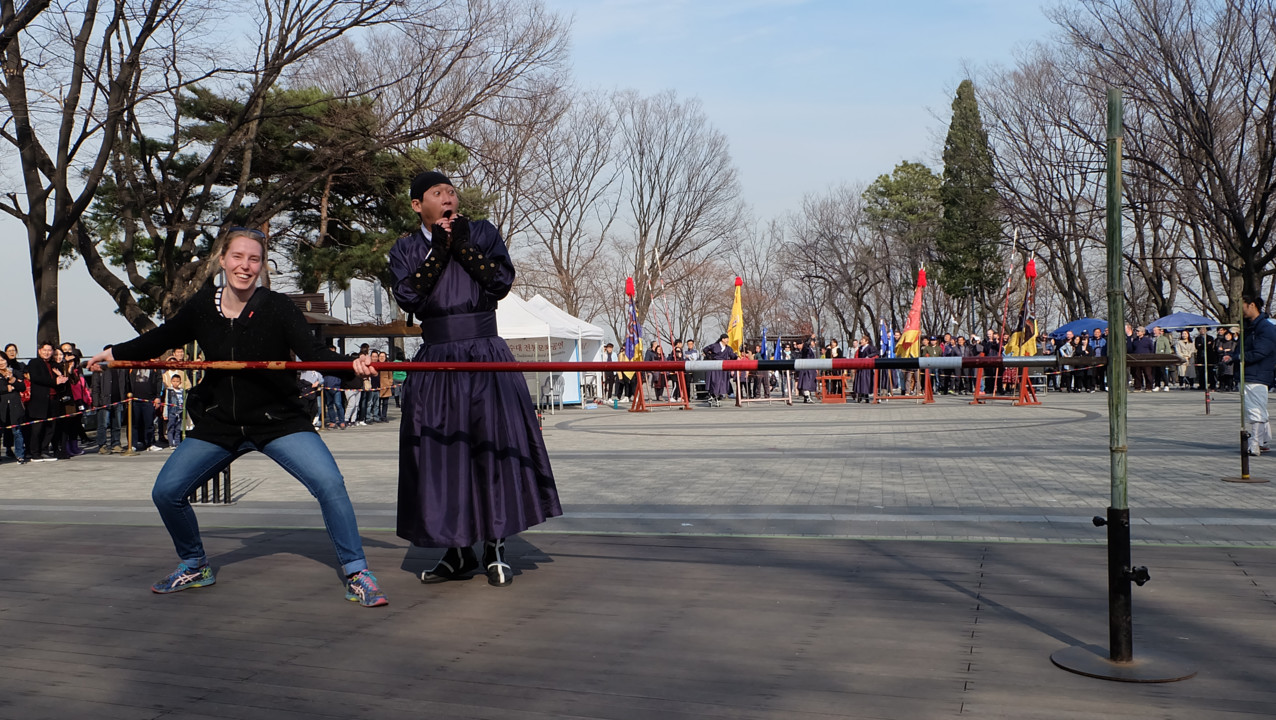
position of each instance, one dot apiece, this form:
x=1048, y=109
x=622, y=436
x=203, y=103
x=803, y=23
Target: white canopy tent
x=589, y=346
x=537, y=330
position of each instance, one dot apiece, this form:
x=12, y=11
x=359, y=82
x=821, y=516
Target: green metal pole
x=1120, y=601
x=1117, y=392
x=1244, y=428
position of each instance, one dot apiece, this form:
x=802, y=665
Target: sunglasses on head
x=246, y=231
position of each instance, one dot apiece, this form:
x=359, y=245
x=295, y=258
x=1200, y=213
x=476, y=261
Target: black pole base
x=1148, y=667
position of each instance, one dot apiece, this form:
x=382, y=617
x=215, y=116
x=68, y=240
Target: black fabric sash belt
x=452, y=328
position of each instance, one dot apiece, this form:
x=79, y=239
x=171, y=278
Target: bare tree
x=681, y=186
x=14, y=20
x=1048, y=143
x=572, y=204
x=425, y=67
x=71, y=76
x=831, y=251
x=508, y=157
x=1202, y=74
x=756, y=257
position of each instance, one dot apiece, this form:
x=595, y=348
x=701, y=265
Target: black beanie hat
x=427, y=180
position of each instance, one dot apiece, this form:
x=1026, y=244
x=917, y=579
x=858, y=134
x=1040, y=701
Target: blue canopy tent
x=1182, y=321
x=1077, y=327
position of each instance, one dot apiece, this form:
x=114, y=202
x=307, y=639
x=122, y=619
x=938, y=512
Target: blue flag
x=763, y=344
x=779, y=354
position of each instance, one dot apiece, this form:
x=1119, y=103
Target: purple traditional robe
x=718, y=382
x=472, y=460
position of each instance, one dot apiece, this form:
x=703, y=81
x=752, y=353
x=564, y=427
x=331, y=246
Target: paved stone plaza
x=901, y=469
x=896, y=562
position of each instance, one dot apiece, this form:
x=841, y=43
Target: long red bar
x=648, y=366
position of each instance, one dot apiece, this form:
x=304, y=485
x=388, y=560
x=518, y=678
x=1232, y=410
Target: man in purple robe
x=716, y=382
x=472, y=461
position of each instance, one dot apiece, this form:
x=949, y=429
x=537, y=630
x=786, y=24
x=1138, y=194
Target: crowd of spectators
x=1208, y=360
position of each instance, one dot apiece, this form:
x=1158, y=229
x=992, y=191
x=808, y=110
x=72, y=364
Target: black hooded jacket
x=230, y=406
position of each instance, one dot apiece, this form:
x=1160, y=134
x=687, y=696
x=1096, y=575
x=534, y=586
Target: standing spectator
x=370, y=400
x=146, y=386
x=992, y=348
x=863, y=382
x=609, y=378
x=1206, y=378
x=676, y=355
x=1186, y=352
x=334, y=399
x=1066, y=349
x=1164, y=346
x=659, y=380
x=1084, y=376
x=762, y=378
x=1142, y=344
x=174, y=405
x=108, y=387
x=1226, y=348
x=1099, y=373
x=964, y=377
x=81, y=400
x=806, y=379
x=930, y=349
x=1260, y=371
x=12, y=411
x=310, y=385
x=833, y=352
x=45, y=384
x=387, y=390
x=352, y=388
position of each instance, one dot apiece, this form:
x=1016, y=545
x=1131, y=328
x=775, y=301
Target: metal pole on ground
x=1120, y=664
x=1245, y=477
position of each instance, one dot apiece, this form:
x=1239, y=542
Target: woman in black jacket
x=238, y=411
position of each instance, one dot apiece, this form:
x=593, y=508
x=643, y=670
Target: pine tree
x=969, y=255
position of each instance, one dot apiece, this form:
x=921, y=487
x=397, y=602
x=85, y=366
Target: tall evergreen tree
x=969, y=255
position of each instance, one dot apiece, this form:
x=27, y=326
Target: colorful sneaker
x=362, y=588
x=184, y=578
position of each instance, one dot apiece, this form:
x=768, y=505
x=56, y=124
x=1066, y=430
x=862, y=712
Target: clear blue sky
x=810, y=94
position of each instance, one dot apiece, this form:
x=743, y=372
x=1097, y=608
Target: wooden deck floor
x=617, y=628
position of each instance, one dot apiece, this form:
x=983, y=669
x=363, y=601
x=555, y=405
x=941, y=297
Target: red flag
x=910, y=340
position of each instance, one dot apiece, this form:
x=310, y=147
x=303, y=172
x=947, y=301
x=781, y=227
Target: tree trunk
x=44, y=278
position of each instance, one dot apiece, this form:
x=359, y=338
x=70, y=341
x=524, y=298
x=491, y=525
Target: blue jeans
x=336, y=410
x=371, y=404
x=109, y=420
x=302, y=454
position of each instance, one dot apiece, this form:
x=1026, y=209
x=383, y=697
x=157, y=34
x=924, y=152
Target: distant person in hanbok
x=864, y=378
x=717, y=382
x=807, y=379
x=472, y=462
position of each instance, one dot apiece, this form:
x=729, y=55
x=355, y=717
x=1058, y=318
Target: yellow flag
x=735, y=328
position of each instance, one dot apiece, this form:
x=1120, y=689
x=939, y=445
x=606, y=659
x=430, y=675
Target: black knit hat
x=427, y=180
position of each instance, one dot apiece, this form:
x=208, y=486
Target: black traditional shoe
x=499, y=573
x=456, y=564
